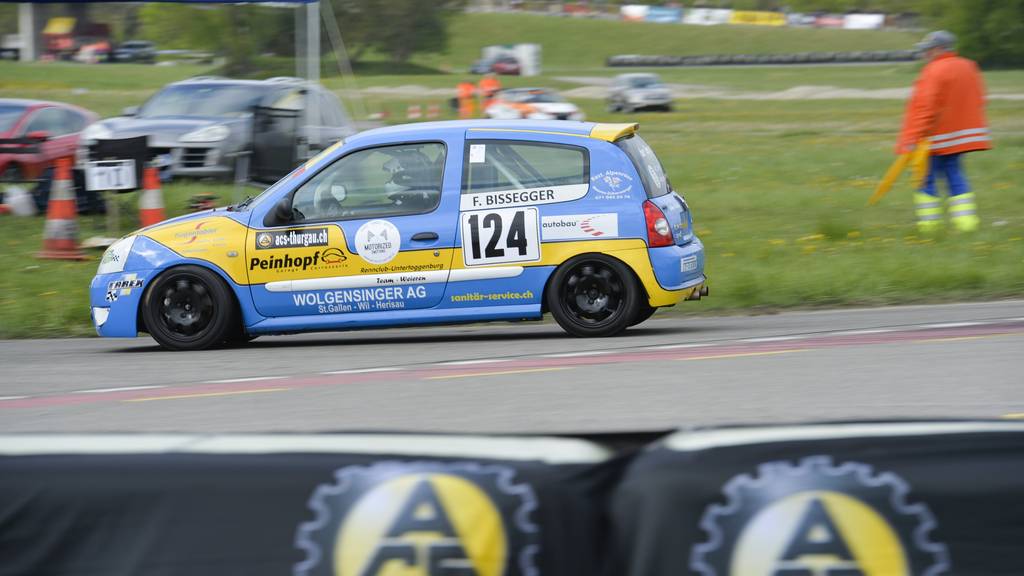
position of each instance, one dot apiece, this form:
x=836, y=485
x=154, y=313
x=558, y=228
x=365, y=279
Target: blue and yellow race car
x=431, y=223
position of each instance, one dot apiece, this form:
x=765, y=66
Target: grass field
x=778, y=189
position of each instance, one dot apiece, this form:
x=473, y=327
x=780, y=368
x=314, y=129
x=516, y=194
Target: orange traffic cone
x=414, y=112
x=60, y=233
x=151, y=199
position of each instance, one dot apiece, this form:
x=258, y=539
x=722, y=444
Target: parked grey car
x=641, y=91
x=201, y=127
x=134, y=51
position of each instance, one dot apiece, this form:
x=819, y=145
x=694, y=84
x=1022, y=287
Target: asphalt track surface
x=962, y=360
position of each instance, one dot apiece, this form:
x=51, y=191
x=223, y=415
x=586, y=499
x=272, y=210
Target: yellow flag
x=918, y=161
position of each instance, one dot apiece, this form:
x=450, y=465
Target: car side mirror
x=283, y=212
x=130, y=111
x=38, y=135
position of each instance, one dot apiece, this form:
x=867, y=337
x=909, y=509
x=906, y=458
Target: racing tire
x=643, y=313
x=190, y=308
x=593, y=296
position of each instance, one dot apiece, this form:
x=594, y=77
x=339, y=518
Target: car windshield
x=645, y=82
x=9, y=114
x=202, y=100
x=541, y=97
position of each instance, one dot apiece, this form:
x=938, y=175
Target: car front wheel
x=593, y=295
x=190, y=308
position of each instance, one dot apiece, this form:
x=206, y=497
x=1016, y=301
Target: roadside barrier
x=911, y=498
x=151, y=199
x=626, y=60
x=433, y=111
x=917, y=498
x=305, y=505
x=414, y=112
x=60, y=232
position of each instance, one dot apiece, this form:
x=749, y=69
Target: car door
x=60, y=140
x=372, y=232
x=276, y=129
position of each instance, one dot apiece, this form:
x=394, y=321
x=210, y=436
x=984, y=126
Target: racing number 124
x=516, y=234
x=500, y=236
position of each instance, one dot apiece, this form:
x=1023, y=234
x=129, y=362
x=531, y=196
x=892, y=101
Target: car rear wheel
x=190, y=308
x=593, y=295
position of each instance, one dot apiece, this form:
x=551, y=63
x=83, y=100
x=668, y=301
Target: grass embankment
x=777, y=187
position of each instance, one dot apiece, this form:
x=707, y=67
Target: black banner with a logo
x=527, y=511
x=840, y=500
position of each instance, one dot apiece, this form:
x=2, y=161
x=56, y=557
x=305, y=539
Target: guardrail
x=625, y=60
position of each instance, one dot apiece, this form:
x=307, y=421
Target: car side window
x=50, y=120
x=495, y=165
x=73, y=121
x=394, y=180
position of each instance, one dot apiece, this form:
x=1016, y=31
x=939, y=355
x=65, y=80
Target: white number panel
x=500, y=236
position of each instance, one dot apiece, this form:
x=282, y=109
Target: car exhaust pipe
x=698, y=293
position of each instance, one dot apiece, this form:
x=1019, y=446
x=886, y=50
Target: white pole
x=313, y=41
x=27, y=32
x=300, y=40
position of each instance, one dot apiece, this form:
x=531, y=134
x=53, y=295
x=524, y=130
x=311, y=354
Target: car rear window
x=494, y=165
x=647, y=165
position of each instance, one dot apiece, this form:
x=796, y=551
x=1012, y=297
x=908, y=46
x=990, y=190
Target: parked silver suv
x=202, y=126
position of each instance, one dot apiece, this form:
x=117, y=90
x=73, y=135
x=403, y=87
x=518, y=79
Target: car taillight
x=659, y=233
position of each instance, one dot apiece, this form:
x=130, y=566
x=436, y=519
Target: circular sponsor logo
x=420, y=518
x=378, y=241
x=818, y=518
x=264, y=240
x=612, y=184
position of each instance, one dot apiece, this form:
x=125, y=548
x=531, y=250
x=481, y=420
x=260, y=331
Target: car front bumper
x=114, y=302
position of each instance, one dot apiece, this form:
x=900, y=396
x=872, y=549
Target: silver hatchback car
x=638, y=91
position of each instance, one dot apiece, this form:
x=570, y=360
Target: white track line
x=252, y=379
x=576, y=354
x=2, y=398
x=774, y=338
x=678, y=346
x=120, y=389
x=363, y=370
x=471, y=362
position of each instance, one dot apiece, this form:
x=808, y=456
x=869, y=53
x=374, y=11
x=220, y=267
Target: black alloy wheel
x=593, y=295
x=190, y=308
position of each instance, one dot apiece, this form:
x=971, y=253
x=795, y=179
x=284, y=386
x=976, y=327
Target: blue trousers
x=948, y=166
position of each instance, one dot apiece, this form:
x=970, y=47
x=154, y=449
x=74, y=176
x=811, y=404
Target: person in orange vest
x=947, y=108
x=466, y=93
x=489, y=86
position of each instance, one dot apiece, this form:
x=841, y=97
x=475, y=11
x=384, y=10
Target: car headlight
x=116, y=256
x=214, y=133
x=96, y=131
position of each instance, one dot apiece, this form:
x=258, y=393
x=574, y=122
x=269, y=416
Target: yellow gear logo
x=420, y=519
x=818, y=519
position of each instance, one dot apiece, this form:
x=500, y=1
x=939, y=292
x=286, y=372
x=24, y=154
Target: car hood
x=171, y=127
x=240, y=217
x=555, y=107
x=653, y=92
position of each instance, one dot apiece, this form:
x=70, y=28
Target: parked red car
x=55, y=124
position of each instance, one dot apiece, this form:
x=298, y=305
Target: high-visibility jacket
x=489, y=85
x=947, y=107
x=465, y=90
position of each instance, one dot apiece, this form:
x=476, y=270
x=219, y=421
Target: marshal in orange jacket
x=947, y=107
